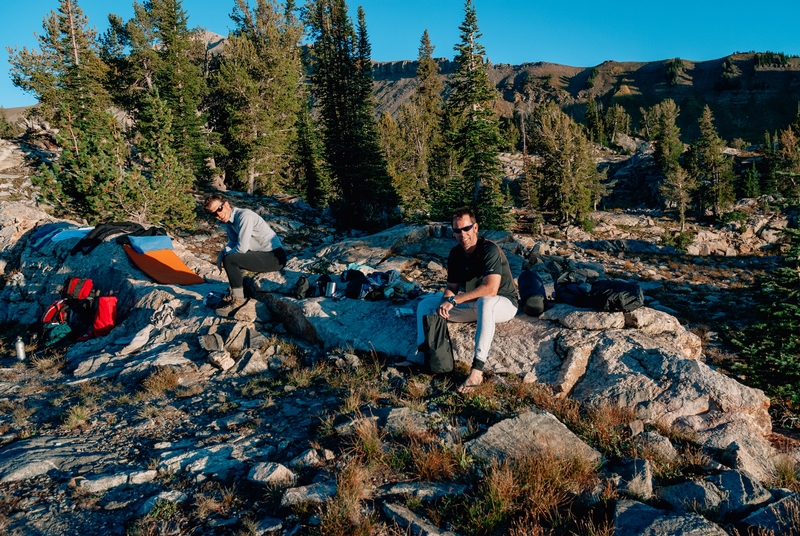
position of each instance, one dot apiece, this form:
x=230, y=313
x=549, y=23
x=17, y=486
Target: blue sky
x=578, y=33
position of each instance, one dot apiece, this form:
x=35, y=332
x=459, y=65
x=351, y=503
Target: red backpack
x=56, y=313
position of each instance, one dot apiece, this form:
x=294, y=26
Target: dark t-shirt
x=469, y=270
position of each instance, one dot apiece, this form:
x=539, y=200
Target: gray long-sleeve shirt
x=247, y=231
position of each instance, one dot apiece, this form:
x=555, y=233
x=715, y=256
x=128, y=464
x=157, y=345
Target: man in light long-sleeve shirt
x=252, y=245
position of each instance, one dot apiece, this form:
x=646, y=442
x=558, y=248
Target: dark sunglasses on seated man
x=465, y=229
x=218, y=209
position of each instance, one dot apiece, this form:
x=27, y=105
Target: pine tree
x=677, y=189
x=713, y=170
x=410, y=147
x=7, y=128
x=342, y=86
x=155, y=51
x=666, y=135
x=98, y=177
x=563, y=179
x=594, y=122
x=258, y=94
x=617, y=122
x=66, y=74
x=772, y=346
x=751, y=182
x=312, y=177
x=475, y=131
x=769, y=181
x=788, y=163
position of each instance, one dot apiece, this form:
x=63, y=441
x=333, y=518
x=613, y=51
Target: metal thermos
x=330, y=289
x=20, y=346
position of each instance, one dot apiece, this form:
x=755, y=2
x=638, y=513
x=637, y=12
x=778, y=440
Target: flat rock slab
x=347, y=324
x=38, y=456
x=528, y=434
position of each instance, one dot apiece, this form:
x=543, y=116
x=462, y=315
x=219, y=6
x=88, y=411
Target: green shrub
x=736, y=216
x=771, y=347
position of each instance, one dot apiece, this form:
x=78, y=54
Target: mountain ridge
x=747, y=99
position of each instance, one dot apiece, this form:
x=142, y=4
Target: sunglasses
x=465, y=229
x=218, y=210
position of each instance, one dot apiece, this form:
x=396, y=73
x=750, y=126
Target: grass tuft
x=162, y=380
x=343, y=514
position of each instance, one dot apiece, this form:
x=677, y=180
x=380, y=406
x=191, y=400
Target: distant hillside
x=746, y=100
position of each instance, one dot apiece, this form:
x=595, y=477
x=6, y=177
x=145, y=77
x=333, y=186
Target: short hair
x=464, y=211
x=214, y=197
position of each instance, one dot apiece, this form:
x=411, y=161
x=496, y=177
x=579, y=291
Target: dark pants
x=255, y=261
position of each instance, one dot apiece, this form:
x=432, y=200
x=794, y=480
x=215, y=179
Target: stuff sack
x=303, y=288
x=615, y=296
x=105, y=318
x=532, y=294
x=437, y=348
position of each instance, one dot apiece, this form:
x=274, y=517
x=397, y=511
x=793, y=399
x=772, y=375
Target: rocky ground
x=302, y=438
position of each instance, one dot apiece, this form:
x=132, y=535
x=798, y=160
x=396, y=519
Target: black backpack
x=615, y=296
x=532, y=294
x=569, y=289
x=437, y=348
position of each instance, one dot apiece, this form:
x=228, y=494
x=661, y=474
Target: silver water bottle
x=20, y=347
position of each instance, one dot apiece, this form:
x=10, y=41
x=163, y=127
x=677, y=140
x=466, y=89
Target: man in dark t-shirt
x=480, y=289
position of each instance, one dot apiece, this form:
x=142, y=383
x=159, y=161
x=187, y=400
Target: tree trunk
x=72, y=33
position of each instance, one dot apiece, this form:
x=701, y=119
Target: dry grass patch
x=303, y=377
x=367, y=441
x=787, y=473
x=159, y=382
x=77, y=416
x=521, y=495
x=432, y=462
x=343, y=514
x=189, y=391
x=48, y=362
x=21, y=413
x=359, y=395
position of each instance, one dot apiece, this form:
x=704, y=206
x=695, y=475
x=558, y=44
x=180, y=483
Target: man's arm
x=488, y=287
x=247, y=222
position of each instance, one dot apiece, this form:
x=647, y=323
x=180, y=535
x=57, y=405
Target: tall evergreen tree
x=787, y=165
x=474, y=130
x=155, y=50
x=713, y=170
x=409, y=144
x=66, y=74
x=258, y=93
x=564, y=179
x=617, y=122
x=677, y=189
x=594, y=122
x=342, y=85
x=311, y=173
x=751, y=182
x=665, y=134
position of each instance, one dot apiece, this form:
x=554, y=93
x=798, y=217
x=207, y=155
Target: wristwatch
x=452, y=300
